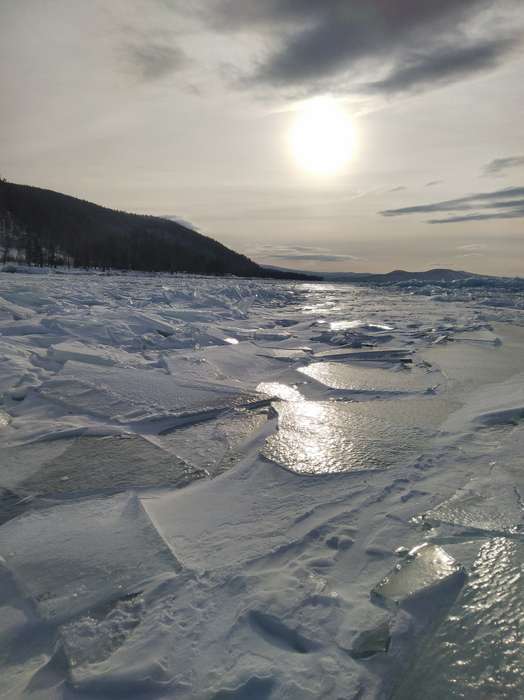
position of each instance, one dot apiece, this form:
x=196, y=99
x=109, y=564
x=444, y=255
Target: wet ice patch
x=500, y=512
x=478, y=650
x=369, y=379
x=317, y=437
x=424, y=569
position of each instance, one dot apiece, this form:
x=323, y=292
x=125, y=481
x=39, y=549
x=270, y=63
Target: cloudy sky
x=192, y=110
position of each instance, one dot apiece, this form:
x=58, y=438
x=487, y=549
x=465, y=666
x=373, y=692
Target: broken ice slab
x=24, y=643
x=130, y=394
x=108, y=465
x=284, y=354
x=355, y=376
x=477, y=651
x=272, y=334
x=75, y=556
x=363, y=325
x=240, y=366
x=371, y=355
x=500, y=513
x=424, y=570
x=479, y=336
x=80, y=352
x=12, y=504
x=215, y=445
x=371, y=642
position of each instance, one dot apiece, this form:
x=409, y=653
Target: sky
x=333, y=135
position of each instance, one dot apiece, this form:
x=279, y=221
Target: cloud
x=321, y=257
x=398, y=189
x=432, y=183
x=472, y=247
x=504, y=204
x=152, y=61
x=329, y=45
x=517, y=213
x=442, y=65
x=300, y=253
x=182, y=221
x=473, y=201
x=499, y=165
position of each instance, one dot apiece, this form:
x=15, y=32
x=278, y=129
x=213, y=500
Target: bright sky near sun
x=335, y=135
x=322, y=137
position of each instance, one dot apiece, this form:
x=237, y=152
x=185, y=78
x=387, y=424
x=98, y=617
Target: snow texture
x=235, y=489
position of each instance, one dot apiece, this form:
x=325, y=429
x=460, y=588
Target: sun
x=322, y=137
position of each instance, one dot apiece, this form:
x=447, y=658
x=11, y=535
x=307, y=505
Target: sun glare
x=322, y=137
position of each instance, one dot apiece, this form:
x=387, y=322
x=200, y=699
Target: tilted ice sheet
x=106, y=465
x=135, y=394
x=78, y=555
x=361, y=378
x=422, y=571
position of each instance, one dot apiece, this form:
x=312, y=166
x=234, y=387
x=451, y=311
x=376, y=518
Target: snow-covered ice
x=235, y=489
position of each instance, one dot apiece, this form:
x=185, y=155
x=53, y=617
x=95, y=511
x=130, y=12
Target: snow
x=299, y=514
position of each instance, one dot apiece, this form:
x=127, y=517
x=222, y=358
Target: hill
x=393, y=277
x=42, y=227
x=434, y=275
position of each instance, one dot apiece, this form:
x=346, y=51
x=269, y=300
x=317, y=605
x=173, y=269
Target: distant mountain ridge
x=43, y=227
x=433, y=275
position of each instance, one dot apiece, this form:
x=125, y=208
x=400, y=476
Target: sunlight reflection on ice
x=478, y=651
x=280, y=391
x=330, y=437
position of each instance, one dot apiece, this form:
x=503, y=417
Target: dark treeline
x=46, y=228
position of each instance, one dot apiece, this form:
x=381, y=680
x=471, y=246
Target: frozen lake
x=229, y=489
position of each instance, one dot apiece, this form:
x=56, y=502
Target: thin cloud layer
x=318, y=257
x=500, y=165
x=517, y=213
x=506, y=204
x=152, y=61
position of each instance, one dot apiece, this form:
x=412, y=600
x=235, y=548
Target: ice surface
x=369, y=355
x=499, y=512
x=421, y=572
x=78, y=555
x=128, y=395
x=478, y=650
x=371, y=642
x=324, y=437
x=216, y=444
x=368, y=379
x=105, y=465
x=80, y=353
x=274, y=596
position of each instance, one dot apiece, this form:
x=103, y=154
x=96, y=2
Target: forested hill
x=42, y=227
